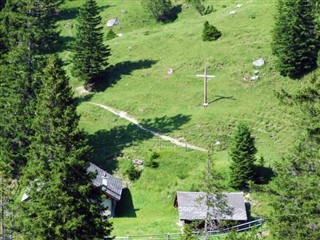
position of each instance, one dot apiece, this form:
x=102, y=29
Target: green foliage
x=131, y=171
x=201, y=9
x=91, y=55
x=242, y=153
x=210, y=32
x=159, y=9
x=111, y=34
x=295, y=40
x=150, y=162
x=296, y=194
x=249, y=235
x=188, y=233
x=28, y=38
x=63, y=203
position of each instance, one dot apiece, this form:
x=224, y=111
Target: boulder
x=112, y=22
x=259, y=63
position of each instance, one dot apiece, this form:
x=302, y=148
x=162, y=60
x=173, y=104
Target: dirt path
x=134, y=121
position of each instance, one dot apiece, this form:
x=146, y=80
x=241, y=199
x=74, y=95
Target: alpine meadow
x=164, y=98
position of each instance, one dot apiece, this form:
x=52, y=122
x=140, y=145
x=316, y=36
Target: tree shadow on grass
x=175, y=11
x=108, y=144
x=65, y=43
x=71, y=13
x=263, y=175
x=114, y=73
x=125, y=207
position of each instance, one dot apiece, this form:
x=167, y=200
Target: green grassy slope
x=172, y=104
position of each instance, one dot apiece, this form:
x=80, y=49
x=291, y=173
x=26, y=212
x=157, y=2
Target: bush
x=151, y=161
x=111, y=34
x=210, y=32
x=160, y=9
x=131, y=171
x=201, y=9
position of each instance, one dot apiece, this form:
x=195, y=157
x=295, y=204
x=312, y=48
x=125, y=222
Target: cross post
x=205, y=83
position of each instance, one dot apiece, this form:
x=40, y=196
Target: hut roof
x=191, y=206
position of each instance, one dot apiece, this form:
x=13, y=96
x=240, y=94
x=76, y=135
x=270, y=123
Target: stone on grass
x=170, y=71
x=112, y=22
x=254, y=78
x=233, y=12
x=258, y=63
x=120, y=35
x=239, y=5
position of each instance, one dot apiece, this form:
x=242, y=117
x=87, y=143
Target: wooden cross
x=205, y=79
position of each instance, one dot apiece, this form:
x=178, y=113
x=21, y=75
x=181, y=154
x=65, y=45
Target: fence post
x=168, y=236
x=128, y=237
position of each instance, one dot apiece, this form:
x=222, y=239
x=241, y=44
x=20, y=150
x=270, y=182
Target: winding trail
x=134, y=121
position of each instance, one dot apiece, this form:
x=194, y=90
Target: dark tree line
x=41, y=147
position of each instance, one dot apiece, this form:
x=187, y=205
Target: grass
x=172, y=104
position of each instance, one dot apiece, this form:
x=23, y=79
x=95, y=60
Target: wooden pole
x=205, y=85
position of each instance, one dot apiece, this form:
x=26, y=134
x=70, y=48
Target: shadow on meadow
x=108, y=144
x=71, y=13
x=218, y=98
x=114, y=73
x=66, y=43
x=125, y=207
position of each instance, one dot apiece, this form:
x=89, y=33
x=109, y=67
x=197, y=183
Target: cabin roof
x=113, y=187
x=191, y=206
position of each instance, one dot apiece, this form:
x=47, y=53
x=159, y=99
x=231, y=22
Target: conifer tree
x=242, y=153
x=296, y=193
x=30, y=33
x=91, y=55
x=63, y=203
x=210, y=32
x=295, y=41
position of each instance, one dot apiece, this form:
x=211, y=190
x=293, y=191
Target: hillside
x=138, y=83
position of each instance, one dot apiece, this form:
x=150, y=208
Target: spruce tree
x=91, y=55
x=63, y=203
x=296, y=193
x=295, y=41
x=242, y=153
x=210, y=32
x=30, y=34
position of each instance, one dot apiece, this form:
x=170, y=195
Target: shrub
x=131, y=171
x=151, y=161
x=210, y=32
x=160, y=9
x=111, y=34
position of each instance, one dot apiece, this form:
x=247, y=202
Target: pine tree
x=210, y=32
x=295, y=188
x=242, y=153
x=159, y=9
x=91, y=55
x=30, y=33
x=295, y=40
x=63, y=203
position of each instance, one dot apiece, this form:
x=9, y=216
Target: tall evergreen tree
x=295, y=40
x=295, y=188
x=242, y=153
x=91, y=55
x=63, y=203
x=30, y=33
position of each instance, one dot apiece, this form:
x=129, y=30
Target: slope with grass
x=137, y=83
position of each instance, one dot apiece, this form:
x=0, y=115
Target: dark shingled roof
x=191, y=206
x=114, y=185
